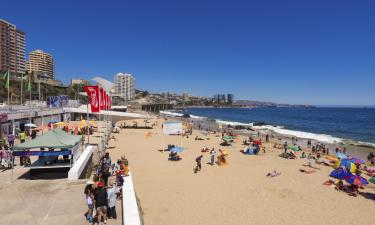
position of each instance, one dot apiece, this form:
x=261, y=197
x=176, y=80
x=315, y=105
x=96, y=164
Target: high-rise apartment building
x=230, y=98
x=125, y=86
x=12, y=48
x=41, y=62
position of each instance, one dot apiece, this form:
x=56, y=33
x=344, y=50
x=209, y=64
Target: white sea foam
x=175, y=114
x=232, y=123
x=281, y=130
x=301, y=134
x=168, y=113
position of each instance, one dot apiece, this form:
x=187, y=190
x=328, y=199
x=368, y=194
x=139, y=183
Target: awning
x=56, y=138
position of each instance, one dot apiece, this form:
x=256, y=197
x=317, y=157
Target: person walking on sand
x=285, y=147
x=198, y=160
x=212, y=154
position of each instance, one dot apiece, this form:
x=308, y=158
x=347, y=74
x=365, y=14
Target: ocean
x=329, y=125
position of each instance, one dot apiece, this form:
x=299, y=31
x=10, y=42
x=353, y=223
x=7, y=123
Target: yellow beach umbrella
x=59, y=124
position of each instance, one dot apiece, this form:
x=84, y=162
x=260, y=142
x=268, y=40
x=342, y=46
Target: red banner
x=93, y=94
x=106, y=101
x=101, y=99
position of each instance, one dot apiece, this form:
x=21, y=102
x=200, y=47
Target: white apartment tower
x=125, y=86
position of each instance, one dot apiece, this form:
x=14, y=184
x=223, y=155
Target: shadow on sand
x=45, y=174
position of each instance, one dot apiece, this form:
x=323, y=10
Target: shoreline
x=359, y=149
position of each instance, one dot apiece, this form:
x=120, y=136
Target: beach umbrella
x=340, y=174
x=372, y=180
x=345, y=163
x=203, y=132
x=30, y=125
x=341, y=155
x=294, y=148
x=332, y=158
x=59, y=124
x=177, y=149
x=357, y=160
x=358, y=180
x=227, y=138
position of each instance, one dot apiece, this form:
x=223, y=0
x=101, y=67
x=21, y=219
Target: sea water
x=324, y=124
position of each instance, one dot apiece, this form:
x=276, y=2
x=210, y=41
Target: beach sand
x=170, y=193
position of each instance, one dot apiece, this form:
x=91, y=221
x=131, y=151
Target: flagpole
x=21, y=87
x=8, y=86
x=30, y=87
x=39, y=90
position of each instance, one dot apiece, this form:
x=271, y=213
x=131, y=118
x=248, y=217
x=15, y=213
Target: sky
x=299, y=52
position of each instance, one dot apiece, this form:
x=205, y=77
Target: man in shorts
x=100, y=197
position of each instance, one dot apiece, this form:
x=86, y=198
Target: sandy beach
x=171, y=193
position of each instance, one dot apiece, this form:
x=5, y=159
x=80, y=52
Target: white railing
x=130, y=210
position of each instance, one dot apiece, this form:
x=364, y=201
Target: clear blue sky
x=314, y=52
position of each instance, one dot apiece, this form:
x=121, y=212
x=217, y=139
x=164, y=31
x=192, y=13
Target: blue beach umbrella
x=345, y=163
x=340, y=174
x=341, y=155
x=53, y=121
x=177, y=149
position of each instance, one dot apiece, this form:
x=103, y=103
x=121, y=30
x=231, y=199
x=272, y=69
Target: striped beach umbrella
x=358, y=180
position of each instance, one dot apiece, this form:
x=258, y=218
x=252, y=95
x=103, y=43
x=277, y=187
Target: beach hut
x=172, y=128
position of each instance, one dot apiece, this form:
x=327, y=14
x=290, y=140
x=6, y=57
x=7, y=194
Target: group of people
x=221, y=159
x=102, y=192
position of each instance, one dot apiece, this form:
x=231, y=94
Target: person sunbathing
x=291, y=155
x=225, y=143
x=307, y=171
x=309, y=164
x=173, y=156
x=351, y=190
x=273, y=174
x=198, y=138
x=370, y=172
x=329, y=182
x=205, y=149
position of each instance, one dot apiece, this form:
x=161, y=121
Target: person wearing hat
x=101, y=200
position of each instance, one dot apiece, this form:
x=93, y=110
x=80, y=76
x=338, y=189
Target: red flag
x=106, y=101
x=93, y=94
x=101, y=99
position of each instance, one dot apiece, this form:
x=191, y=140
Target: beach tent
x=56, y=138
x=170, y=128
